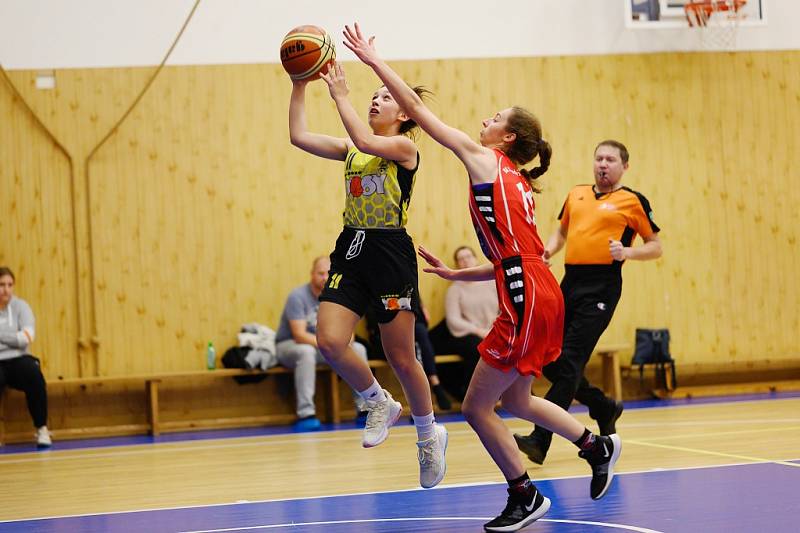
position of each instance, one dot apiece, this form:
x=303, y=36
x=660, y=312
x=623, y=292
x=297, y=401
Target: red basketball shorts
x=529, y=329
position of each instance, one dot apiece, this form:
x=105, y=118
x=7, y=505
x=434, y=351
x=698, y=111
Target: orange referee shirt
x=589, y=219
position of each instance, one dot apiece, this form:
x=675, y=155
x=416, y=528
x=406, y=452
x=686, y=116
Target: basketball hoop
x=717, y=20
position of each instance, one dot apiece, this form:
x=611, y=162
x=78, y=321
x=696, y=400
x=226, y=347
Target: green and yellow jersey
x=377, y=191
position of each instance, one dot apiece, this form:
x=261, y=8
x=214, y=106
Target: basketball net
x=717, y=22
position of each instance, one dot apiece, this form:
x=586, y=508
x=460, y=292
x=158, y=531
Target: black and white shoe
x=602, y=457
x=607, y=422
x=519, y=512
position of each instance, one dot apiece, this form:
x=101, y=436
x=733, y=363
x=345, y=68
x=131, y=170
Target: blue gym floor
x=752, y=497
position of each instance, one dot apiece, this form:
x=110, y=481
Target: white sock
x=424, y=425
x=374, y=393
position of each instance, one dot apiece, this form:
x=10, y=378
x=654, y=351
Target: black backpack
x=652, y=348
x=235, y=358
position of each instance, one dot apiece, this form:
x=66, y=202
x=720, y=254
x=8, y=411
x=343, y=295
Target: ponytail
x=528, y=144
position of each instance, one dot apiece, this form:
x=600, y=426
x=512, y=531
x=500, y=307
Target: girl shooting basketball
x=527, y=333
x=373, y=263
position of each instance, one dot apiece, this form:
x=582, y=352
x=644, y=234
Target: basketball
x=305, y=51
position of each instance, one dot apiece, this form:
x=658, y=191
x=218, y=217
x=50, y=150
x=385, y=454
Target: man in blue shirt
x=296, y=343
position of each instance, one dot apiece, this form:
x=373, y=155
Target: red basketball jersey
x=503, y=214
x=528, y=331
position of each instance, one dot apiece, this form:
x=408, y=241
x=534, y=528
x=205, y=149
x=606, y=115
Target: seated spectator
x=470, y=310
x=296, y=344
x=18, y=368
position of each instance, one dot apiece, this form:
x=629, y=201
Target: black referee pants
x=23, y=373
x=590, y=298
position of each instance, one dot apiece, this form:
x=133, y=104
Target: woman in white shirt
x=18, y=368
x=470, y=311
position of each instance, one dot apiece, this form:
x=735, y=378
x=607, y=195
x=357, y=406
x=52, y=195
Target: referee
x=598, y=224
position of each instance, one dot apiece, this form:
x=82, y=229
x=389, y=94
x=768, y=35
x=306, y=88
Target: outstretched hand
x=437, y=266
x=362, y=48
x=334, y=77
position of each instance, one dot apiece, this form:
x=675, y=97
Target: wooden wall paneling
x=205, y=216
x=37, y=225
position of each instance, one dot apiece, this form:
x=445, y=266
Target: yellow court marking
x=708, y=452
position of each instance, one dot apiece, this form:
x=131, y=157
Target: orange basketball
x=305, y=51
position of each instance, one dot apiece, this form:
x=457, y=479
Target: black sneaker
x=532, y=447
x=519, y=512
x=602, y=457
x=607, y=422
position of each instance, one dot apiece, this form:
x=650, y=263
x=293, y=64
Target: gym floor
x=712, y=465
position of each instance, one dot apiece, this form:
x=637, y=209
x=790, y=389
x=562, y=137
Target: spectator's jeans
x=303, y=358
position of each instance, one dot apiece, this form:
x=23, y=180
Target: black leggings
x=457, y=378
x=23, y=373
x=425, y=353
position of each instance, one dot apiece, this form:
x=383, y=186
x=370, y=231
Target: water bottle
x=211, y=356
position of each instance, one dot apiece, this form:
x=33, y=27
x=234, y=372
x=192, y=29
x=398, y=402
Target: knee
x=472, y=412
x=562, y=370
x=404, y=365
x=32, y=373
x=331, y=347
x=304, y=355
x=297, y=355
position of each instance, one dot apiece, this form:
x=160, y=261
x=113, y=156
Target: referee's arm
x=651, y=249
x=555, y=243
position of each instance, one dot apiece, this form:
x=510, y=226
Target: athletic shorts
x=528, y=331
x=374, y=268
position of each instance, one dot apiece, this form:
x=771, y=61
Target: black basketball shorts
x=374, y=268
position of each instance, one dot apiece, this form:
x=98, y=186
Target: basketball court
x=197, y=215
x=719, y=465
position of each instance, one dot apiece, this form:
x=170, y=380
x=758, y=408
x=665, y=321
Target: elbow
x=657, y=251
x=364, y=145
x=295, y=140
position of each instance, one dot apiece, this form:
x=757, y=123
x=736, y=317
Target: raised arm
x=394, y=148
x=314, y=143
x=452, y=138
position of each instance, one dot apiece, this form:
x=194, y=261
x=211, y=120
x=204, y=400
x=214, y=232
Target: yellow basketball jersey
x=377, y=191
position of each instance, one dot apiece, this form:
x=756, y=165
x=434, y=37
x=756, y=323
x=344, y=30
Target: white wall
x=104, y=33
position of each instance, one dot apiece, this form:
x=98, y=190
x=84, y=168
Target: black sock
x=521, y=485
x=586, y=441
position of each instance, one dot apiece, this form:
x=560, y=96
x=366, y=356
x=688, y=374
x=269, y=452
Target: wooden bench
x=152, y=384
x=612, y=368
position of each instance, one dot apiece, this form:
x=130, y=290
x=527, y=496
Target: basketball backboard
x=651, y=14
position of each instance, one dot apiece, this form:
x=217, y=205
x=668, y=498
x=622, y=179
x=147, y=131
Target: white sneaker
x=382, y=416
x=432, y=465
x=43, y=439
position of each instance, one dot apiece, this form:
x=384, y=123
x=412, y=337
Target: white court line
x=422, y=519
x=269, y=440
x=372, y=493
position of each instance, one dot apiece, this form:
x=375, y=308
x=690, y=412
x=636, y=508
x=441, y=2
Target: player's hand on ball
x=334, y=77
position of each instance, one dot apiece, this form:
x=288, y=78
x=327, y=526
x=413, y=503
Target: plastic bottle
x=211, y=356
